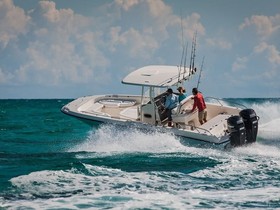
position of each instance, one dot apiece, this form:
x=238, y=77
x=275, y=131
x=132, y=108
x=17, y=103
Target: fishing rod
x=185, y=61
x=184, y=53
x=181, y=62
x=201, y=68
x=191, y=60
x=191, y=69
x=194, y=49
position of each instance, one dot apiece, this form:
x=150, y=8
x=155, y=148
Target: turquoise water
x=52, y=161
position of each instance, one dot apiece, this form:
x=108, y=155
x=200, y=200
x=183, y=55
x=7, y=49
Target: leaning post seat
x=186, y=103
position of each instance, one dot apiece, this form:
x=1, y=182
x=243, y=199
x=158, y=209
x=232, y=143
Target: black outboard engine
x=250, y=120
x=237, y=131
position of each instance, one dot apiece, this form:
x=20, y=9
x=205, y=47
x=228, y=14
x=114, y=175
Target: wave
x=269, y=113
x=240, y=172
x=110, y=138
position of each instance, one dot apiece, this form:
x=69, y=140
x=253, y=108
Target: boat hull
x=187, y=138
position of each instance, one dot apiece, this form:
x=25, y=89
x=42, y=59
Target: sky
x=74, y=48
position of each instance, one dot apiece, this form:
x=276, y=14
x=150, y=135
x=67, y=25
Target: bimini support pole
x=142, y=95
x=142, y=102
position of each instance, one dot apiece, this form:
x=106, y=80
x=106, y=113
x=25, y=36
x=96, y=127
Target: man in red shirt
x=201, y=106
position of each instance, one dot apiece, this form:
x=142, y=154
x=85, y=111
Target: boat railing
x=203, y=129
x=219, y=100
x=198, y=129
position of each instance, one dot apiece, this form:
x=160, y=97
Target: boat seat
x=91, y=107
x=187, y=119
x=117, y=102
x=129, y=113
x=96, y=107
x=186, y=103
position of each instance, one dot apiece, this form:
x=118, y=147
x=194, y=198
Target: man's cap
x=169, y=90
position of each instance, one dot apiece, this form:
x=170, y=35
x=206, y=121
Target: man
x=201, y=106
x=171, y=102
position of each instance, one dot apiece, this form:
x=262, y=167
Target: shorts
x=202, y=115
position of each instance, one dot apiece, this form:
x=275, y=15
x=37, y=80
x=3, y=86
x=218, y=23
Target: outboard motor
x=237, y=131
x=250, y=120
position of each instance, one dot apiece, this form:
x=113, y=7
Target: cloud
x=13, y=22
x=219, y=43
x=157, y=24
x=158, y=8
x=264, y=51
x=192, y=25
x=265, y=26
x=4, y=76
x=58, y=47
x=126, y=4
x=270, y=51
x=144, y=38
x=239, y=64
x=137, y=43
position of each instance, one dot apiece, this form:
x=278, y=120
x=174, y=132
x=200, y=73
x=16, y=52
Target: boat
x=227, y=126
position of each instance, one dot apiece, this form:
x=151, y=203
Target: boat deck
x=119, y=109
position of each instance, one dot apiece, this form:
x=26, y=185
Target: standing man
x=171, y=102
x=201, y=106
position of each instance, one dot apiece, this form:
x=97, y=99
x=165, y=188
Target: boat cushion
x=129, y=113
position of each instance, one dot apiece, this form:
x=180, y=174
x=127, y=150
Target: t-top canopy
x=157, y=76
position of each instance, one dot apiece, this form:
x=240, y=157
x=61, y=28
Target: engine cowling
x=250, y=120
x=237, y=131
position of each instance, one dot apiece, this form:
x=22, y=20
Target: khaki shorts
x=202, y=115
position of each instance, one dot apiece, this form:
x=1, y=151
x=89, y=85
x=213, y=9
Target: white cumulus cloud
x=265, y=25
x=127, y=4
x=13, y=22
x=271, y=52
x=58, y=47
x=239, y=64
x=219, y=43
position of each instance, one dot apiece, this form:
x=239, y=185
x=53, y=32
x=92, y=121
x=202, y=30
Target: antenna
x=201, y=68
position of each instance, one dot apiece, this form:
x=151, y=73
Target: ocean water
x=52, y=161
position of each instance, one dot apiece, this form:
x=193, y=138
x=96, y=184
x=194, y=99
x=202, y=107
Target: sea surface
x=49, y=160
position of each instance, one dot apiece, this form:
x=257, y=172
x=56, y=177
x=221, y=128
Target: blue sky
x=71, y=48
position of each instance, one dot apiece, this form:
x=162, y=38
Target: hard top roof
x=157, y=76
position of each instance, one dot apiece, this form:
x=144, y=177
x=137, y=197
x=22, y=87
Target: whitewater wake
x=109, y=138
x=269, y=113
x=112, y=139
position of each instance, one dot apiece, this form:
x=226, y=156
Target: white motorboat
x=226, y=125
